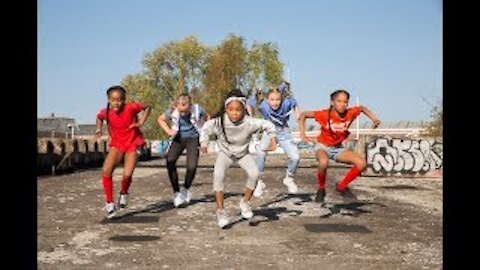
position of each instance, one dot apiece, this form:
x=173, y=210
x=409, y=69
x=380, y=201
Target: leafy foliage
x=206, y=73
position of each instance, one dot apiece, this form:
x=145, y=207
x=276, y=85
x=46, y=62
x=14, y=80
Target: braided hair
x=332, y=97
x=112, y=89
x=220, y=114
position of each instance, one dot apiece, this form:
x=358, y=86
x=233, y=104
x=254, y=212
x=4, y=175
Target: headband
x=239, y=99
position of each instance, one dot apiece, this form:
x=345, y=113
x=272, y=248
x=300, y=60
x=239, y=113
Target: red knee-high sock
x=127, y=180
x=108, y=188
x=321, y=177
x=349, y=177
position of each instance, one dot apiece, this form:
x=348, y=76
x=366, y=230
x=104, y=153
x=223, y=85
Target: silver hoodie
x=239, y=134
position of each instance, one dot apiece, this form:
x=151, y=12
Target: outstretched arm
x=98, y=130
x=301, y=125
x=371, y=115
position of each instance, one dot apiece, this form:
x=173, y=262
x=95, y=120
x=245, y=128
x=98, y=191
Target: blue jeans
x=285, y=141
x=332, y=151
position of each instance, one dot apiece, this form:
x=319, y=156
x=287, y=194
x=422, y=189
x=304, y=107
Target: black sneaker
x=346, y=193
x=320, y=196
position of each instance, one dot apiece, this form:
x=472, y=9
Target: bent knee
x=323, y=163
x=191, y=168
x=295, y=158
x=254, y=174
x=361, y=165
x=218, y=186
x=107, y=171
x=218, y=176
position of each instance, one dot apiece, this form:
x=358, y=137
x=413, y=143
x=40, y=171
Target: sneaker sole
x=257, y=194
x=245, y=215
x=222, y=225
x=249, y=217
x=291, y=187
x=294, y=191
x=347, y=197
x=121, y=206
x=182, y=205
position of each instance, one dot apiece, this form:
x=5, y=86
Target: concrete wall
x=56, y=156
x=386, y=155
x=389, y=154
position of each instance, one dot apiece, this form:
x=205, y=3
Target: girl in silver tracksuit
x=234, y=129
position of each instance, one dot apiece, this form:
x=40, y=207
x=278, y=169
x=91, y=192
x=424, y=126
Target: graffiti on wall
x=405, y=156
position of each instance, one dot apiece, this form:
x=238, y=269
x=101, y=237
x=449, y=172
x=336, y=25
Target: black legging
x=176, y=149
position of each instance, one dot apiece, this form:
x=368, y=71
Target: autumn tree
x=140, y=88
x=264, y=67
x=233, y=65
x=206, y=73
x=176, y=67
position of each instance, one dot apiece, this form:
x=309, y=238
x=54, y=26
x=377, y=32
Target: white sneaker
x=222, y=218
x=178, y=199
x=246, y=209
x=186, y=194
x=122, y=201
x=292, y=187
x=111, y=210
x=259, y=189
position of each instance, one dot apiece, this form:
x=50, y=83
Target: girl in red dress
x=126, y=137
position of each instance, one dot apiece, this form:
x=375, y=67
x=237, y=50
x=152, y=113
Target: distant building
x=62, y=127
x=54, y=127
x=88, y=130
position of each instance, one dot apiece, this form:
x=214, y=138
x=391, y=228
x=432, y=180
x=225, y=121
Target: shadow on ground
x=336, y=228
x=137, y=216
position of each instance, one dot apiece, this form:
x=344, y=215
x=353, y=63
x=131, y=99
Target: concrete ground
x=396, y=223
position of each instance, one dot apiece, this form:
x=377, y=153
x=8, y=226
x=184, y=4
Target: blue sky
x=387, y=53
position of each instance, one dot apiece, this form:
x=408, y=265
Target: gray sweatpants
x=224, y=162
